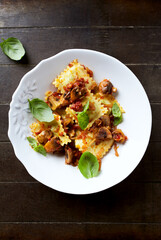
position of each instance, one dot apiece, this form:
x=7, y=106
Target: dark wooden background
x=127, y=30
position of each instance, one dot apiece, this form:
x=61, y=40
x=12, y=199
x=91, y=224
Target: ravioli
x=58, y=130
x=73, y=71
x=88, y=144
x=94, y=114
x=108, y=101
x=56, y=127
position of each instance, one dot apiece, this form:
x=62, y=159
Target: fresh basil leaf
x=40, y=149
x=88, y=165
x=116, y=110
x=32, y=142
x=117, y=120
x=83, y=120
x=40, y=110
x=86, y=106
x=13, y=48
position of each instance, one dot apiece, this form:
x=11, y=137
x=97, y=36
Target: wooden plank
x=135, y=45
x=128, y=45
x=53, y=13
x=10, y=76
x=4, y=122
x=79, y=13
x=11, y=169
x=68, y=231
x=155, y=136
x=135, y=13
x=125, y=202
x=149, y=76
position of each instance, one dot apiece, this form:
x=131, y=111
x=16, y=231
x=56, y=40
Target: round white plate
x=52, y=170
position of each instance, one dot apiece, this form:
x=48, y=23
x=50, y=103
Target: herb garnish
x=83, y=118
x=40, y=110
x=13, y=48
x=116, y=112
x=88, y=165
x=38, y=148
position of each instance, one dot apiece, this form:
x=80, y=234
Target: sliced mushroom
x=44, y=136
x=96, y=125
x=53, y=145
x=67, y=96
x=105, y=87
x=77, y=93
x=57, y=101
x=94, y=87
x=68, y=155
x=119, y=136
x=74, y=95
x=103, y=134
x=105, y=120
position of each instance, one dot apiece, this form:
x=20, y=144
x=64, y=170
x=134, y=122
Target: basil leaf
x=13, y=48
x=40, y=110
x=117, y=120
x=40, y=149
x=32, y=142
x=36, y=147
x=88, y=165
x=86, y=106
x=116, y=110
x=83, y=120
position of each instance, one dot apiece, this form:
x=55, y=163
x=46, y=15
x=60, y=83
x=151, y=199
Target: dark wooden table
x=127, y=30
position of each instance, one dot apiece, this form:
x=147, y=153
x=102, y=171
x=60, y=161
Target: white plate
x=51, y=170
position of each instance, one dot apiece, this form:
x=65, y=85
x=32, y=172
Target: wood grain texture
x=78, y=231
x=148, y=170
x=125, y=202
x=127, y=30
x=79, y=13
x=10, y=76
x=130, y=45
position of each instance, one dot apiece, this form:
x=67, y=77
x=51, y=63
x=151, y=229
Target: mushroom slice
x=44, y=136
x=56, y=100
x=53, y=145
x=105, y=87
x=68, y=155
x=105, y=120
x=102, y=135
x=77, y=93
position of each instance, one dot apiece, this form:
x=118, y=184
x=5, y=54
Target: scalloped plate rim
x=35, y=69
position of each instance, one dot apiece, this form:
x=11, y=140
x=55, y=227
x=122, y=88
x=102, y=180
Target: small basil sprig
x=83, y=118
x=13, y=48
x=116, y=112
x=40, y=110
x=88, y=165
x=38, y=148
